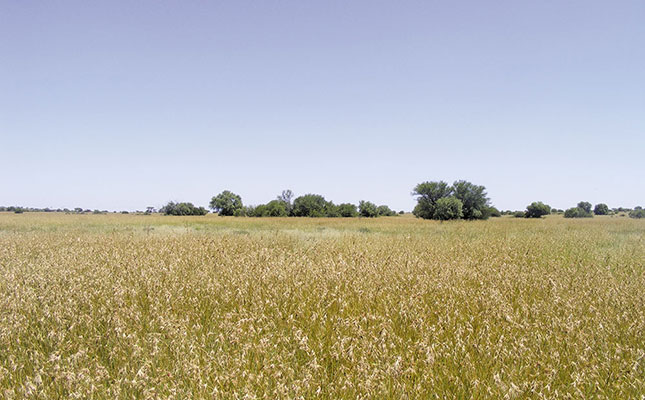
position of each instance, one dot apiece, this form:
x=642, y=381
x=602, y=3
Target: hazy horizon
x=121, y=106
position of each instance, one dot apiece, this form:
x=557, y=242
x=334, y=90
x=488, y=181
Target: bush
x=637, y=213
x=537, y=209
x=448, y=208
x=173, y=208
x=367, y=209
x=494, y=212
x=601, y=209
x=519, y=214
x=577, y=212
x=226, y=203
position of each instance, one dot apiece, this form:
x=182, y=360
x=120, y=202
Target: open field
x=123, y=306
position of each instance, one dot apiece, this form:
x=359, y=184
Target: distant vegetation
x=440, y=201
x=435, y=200
x=173, y=208
x=537, y=209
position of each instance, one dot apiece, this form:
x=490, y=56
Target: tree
x=226, y=203
x=275, y=208
x=347, y=210
x=448, y=208
x=310, y=205
x=173, y=208
x=367, y=209
x=286, y=196
x=494, y=212
x=585, y=205
x=428, y=193
x=601, y=209
x=537, y=209
x=384, y=211
x=473, y=197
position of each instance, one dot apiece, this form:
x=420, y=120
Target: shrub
x=577, y=212
x=637, y=213
x=173, y=208
x=226, y=203
x=601, y=209
x=537, y=209
x=519, y=214
x=494, y=212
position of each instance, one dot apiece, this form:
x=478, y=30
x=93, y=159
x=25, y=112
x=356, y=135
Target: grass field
x=134, y=306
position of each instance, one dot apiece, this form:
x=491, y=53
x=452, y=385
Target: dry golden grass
x=116, y=306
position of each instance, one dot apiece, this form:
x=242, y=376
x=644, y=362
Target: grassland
x=118, y=306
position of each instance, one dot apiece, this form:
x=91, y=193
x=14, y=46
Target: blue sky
x=121, y=105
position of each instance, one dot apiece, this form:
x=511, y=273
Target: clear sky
x=127, y=104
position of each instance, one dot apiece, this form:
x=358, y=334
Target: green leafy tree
x=275, y=208
x=537, y=209
x=347, y=210
x=473, y=198
x=601, y=209
x=428, y=194
x=384, y=211
x=310, y=205
x=585, y=205
x=367, y=209
x=226, y=203
x=448, y=208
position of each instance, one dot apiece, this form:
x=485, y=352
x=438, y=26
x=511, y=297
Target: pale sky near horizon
x=122, y=105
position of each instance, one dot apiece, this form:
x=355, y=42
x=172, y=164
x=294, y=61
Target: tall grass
x=97, y=306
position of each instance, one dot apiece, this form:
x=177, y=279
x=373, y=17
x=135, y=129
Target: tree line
x=228, y=203
x=435, y=200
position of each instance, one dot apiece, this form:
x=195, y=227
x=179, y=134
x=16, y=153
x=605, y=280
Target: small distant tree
x=226, y=203
x=601, y=209
x=448, y=208
x=519, y=214
x=537, y=209
x=367, y=209
x=585, y=205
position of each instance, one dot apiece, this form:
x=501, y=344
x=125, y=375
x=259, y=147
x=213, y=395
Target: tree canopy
x=226, y=203
x=473, y=198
